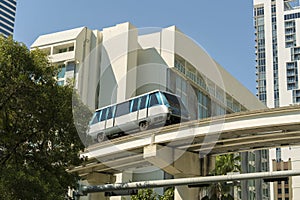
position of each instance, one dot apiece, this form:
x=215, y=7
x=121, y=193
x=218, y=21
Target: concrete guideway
x=239, y=132
x=187, y=150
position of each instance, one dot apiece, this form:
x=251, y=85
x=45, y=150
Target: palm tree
x=224, y=164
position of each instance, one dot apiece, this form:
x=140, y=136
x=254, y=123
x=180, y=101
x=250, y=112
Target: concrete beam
x=173, y=161
x=178, y=163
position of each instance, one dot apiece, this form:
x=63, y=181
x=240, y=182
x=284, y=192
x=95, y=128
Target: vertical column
x=122, y=178
x=181, y=164
x=98, y=179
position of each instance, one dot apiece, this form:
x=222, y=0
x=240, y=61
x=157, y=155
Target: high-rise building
x=7, y=16
x=277, y=49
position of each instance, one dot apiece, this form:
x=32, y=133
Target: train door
x=110, y=117
x=133, y=115
x=122, y=118
x=143, y=111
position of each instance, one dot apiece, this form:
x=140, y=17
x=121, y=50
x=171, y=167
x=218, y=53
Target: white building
x=277, y=24
x=120, y=62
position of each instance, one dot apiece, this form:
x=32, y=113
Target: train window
x=122, y=109
x=95, y=118
x=111, y=112
x=103, y=115
x=153, y=100
x=143, y=102
x=134, y=105
x=159, y=98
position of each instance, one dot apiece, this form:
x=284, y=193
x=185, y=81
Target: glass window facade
x=275, y=57
x=292, y=75
x=296, y=96
x=290, y=33
x=211, y=99
x=260, y=53
x=7, y=16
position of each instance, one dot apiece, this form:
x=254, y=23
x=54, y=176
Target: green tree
x=149, y=194
x=168, y=194
x=224, y=164
x=145, y=194
x=38, y=137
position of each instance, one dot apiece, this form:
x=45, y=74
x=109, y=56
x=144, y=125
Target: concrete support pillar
x=186, y=193
x=122, y=178
x=207, y=164
x=180, y=164
x=97, y=179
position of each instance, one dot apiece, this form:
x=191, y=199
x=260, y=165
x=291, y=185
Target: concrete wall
x=118, y=57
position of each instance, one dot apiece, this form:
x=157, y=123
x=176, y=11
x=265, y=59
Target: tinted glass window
x=111, y=112
x=134, y=105
x=95, y=118
x=153, y=100
x=143, y=102
x=103, y=115
x=172, y=100
x=122, y=109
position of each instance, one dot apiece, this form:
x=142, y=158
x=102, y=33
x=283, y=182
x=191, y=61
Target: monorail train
x=156, y=108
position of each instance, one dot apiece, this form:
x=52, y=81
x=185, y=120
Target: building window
x=203, y=105
x=292, y=75
x=260, y=57
x=286, y=190
x=278, y=154
x=62, y=50
x=179, y=66
x=60, y=83
x=61, y=73
x=181, y=89
x=296, y=96
x=290, y=35
x=273, y=8
x=259, y=11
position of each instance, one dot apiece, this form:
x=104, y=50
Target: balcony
x=59, y=57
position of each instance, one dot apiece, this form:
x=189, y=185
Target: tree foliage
x=224, y=164
x=38, y=137
x=149, y=194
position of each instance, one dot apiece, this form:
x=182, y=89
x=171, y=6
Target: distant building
x=277, y=49
x=7, y=16
x=255, y=161
x=282, y=189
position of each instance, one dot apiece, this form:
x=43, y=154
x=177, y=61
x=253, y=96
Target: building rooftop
x=53, y=38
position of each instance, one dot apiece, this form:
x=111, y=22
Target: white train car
x=156, y=108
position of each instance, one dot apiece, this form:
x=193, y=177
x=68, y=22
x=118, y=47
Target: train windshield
x=171, y=101
x=175, y=104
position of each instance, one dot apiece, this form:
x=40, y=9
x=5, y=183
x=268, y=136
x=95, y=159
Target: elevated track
x=237, y=132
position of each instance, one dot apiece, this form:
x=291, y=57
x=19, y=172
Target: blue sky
x=223, y=28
